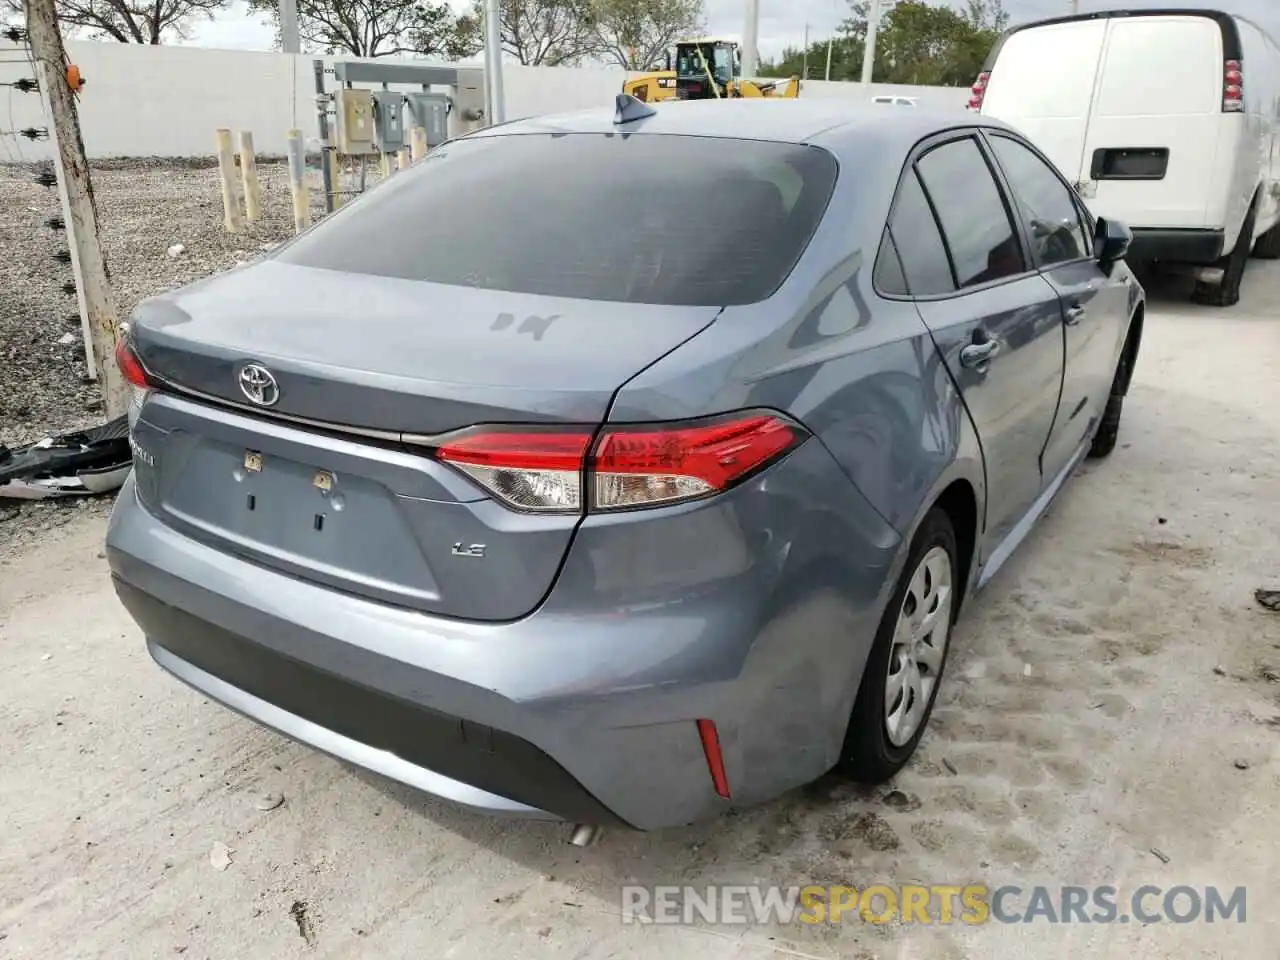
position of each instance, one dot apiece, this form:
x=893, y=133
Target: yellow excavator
x=705, y=70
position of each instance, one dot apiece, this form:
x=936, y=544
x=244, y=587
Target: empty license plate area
x=324, y=524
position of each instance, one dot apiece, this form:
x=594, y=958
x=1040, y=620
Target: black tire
x=868, y=754
x=1227, y=293
x=1268, y=245
x=1104, y=441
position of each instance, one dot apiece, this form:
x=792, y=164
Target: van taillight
x=978, y=92
x=1233, y=87
x=553, y=470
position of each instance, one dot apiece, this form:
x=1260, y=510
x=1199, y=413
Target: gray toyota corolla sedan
x=621, y=467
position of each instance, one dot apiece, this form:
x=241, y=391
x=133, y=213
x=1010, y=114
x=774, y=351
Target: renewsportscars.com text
x=970, y=904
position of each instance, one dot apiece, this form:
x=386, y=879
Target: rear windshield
x=640, y=219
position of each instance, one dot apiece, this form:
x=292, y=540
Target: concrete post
x=751, y=40
x=493, y=61
x=249, y=174
x=869, y=51
x=232, y=218
x=298, y=182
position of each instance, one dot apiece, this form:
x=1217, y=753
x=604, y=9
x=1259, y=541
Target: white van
x=1164, y=120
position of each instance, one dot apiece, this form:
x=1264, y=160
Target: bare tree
x=381, y=28
x=546, y=33
x=130, y=21
x=635, y=33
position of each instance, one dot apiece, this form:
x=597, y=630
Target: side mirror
x=1111, y=241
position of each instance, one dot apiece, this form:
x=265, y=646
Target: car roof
x=783, y=120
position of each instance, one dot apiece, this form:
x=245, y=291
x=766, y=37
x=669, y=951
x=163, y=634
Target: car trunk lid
x=334, y=481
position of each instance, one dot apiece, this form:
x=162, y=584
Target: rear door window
x=975, y=223
x=1044, y=203
x=919, y=244
x=640, y=219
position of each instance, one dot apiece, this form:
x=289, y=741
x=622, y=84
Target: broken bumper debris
x=82, y=462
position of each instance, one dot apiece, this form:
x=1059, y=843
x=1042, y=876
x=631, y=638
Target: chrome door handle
x=1074, y=315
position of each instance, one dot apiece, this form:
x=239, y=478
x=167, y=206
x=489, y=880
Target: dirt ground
x=1115, y=690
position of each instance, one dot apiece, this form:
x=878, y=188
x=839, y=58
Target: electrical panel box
x=431, y=112
x=388, y=120
x=355, y=121
x=468, y=102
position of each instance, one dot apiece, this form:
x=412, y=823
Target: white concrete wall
x=142, y=101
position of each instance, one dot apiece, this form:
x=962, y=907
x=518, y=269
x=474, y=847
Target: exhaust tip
x=584, y=834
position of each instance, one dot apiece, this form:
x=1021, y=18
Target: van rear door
x=1042, y=83
x=1153, y=142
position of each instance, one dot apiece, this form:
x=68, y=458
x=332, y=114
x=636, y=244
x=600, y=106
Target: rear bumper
x=439, y=754
x=1176, y=246
x=584, y=710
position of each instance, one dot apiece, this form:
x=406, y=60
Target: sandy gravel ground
x=1104, y=695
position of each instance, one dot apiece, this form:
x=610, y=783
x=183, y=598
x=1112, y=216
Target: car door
x=1094, y=305
x=994, y=319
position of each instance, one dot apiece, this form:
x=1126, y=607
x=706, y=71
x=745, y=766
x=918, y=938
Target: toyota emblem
x=259, y=385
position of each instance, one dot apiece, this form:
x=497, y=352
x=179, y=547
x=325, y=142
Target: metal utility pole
x=751, y=40
x=1075, y=7
x=493, y=60
x=804, y=70
x=869, y=51
x=289, y=41
x=97, y=312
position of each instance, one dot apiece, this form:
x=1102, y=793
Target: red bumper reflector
x=715, y=762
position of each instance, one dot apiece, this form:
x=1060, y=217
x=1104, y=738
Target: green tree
x=549, y=33
x=128, y=21
x=381, y=28
x=917, y=43
x=634, y=34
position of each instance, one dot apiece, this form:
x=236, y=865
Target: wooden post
x=249, y=173
x=418, y=142
x=406, y=158
x=335, y=178
x=385, y=167
x=298, y=182
x=232, y=219
x=98, y=312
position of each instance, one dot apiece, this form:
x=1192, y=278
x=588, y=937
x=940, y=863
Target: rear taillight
x=629, y=466
x=135, y=375
x=639, y=466
x=130, y=365
x=528, y=470
x=978, y=92
x=1233, y=87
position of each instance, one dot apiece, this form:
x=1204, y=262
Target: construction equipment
x=705, y=69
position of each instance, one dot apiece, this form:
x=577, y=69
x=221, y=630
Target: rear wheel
x=1104, y=441
x=905, y=667
x=1227, y=293
x=1268, y=245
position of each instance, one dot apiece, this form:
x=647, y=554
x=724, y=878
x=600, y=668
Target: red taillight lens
x=632, y=466
x=978, y=92
x=529, y=470
x=1232, y=87
x=635, y=467
x=130, y=366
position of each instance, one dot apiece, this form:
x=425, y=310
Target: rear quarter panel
x=862, y=373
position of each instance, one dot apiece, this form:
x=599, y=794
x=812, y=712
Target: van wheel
x=904, y=670
x=1268, y=245
x=1227, y=293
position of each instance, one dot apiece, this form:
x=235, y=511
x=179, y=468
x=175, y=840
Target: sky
x=782, y=22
